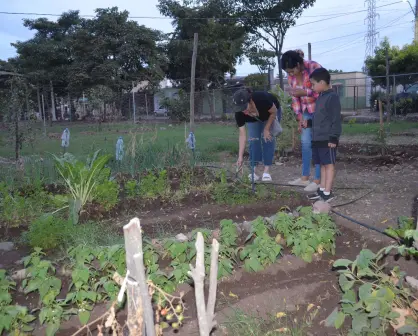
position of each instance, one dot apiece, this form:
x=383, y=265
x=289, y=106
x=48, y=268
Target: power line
x=197, y=18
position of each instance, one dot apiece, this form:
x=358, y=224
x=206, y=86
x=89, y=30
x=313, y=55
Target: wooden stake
x=192, y=81
x=387, y=87
x=138, y=299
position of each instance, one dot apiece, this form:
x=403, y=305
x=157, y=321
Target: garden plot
x=279, y=269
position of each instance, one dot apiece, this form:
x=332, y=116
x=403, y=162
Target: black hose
x=383, y=232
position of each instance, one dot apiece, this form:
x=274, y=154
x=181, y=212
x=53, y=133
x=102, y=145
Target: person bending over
x=256, y=110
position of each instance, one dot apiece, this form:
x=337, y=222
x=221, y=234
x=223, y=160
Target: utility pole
x=388, y=111
x=416, y=21
x=309, y=51
x=192, y=81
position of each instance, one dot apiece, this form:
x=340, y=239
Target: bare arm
x=273, y=114
x=242, y=140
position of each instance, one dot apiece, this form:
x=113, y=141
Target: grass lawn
x=87, y=138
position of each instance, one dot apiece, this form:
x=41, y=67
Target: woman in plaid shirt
x=303, y=104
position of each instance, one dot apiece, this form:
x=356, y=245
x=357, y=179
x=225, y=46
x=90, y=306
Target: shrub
x=178, y=107
x=131, y=189
x=107, y=194
x=47, y=232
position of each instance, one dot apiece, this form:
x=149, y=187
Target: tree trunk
x=279, y=55
x=27, y=102
x=53, y=113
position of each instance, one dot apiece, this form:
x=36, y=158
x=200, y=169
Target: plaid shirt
x=300, y=104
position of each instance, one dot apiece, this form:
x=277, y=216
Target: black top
x=326, y=121
x=264, y=102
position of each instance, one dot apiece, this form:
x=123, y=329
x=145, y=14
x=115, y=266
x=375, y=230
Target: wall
x=352, y=89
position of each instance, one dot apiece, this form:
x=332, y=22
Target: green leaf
x=365, y=291
x=339, y=320
x=345, y=284
x=84, y=317
x=407, y=330
x=359, y=322
x=349, y=297
x=52, y=329
x=375, y=323
x=364, y=258
x=342, y=263
x=253, y=264
x=330, y=321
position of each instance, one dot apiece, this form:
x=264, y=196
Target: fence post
x=146, y=104
x=394, y=94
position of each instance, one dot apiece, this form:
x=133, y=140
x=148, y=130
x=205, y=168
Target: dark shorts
x=324, y=155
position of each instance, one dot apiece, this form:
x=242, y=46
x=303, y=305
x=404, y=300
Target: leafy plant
x=106, y=194
x=131, y=189
x=371, y=298
x=47, y=232
x=262, y=251
x=153, y=186
x=307, y=234
x=82, y=178
x=404, y=224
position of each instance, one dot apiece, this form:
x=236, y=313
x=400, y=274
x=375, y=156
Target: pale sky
x=331, y=46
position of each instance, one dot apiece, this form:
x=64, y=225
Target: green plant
x=177, y=107
x=82, y=178
x=262, y=251
x=153, y=186
x=106, y=194
x=371, y=298
x=131, y=189
x=307, y=234
x=48, y=232
x=404, y=224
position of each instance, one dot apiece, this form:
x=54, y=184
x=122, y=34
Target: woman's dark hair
x=290, y=60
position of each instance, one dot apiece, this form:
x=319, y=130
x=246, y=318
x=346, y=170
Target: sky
x=337, y=33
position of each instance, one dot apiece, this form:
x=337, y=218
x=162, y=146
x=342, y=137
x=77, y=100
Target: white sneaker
x=299, y=182
x=311, y=187
x=256, y=177
x=266, y=177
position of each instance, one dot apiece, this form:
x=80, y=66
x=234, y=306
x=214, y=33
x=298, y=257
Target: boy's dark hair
x=321, y=74
x=290, y=59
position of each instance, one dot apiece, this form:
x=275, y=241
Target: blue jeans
x=306, y=140
x=260, y=150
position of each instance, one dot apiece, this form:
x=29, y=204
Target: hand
x=239, y=163
x=300, y=125
x=331, y=145
x=297, y=92
x=267, y=135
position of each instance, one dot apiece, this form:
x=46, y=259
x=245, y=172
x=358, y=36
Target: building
x=353, y=88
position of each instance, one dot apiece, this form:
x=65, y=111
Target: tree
x=220, y=42
x=261, y=57
x=335, y=71
x=269, y=21
x=257, y=80
x=376, y=65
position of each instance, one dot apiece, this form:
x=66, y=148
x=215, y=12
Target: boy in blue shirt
x=326, y=131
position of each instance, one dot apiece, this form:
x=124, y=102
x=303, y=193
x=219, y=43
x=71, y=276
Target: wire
x=197, y=18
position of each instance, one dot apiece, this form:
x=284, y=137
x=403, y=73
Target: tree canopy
x=402, y=62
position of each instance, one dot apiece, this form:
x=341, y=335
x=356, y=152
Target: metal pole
x=387, y=87
x=309, y=51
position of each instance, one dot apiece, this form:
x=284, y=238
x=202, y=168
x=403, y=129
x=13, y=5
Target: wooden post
x=192, y=81
x=53, y=112
x=139, y=302
x=205, y=313
x=382, y=129
x=38, y=95
x=146, y=104
x=394, y=93
x=387, y=87
x=309, y=51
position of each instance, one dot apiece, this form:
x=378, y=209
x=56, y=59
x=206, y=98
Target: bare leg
x=323, y=177
x=318, y=181
x=267, y=169
x=329, y=177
